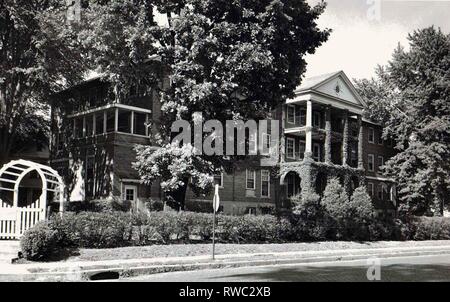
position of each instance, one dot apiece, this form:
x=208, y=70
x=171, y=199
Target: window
x=140, y=123
x=301, y=150
x=89, y=125
x=371, y=135
x=99, y=123
x=251, y=176
x=290, y=148
x=300, y=117
x=317, y=119
x=291, y=114
x=266, y=140
x=370, y=189
x=380, y=192
x=251, y=211
x=111, y=121
x=218, y=179
x=380, y=162
x=380, y=139
x=317, y=152
x=265, y=183
x=124, y=121
x=371, y=163
x=253, y=142
x=130, y=193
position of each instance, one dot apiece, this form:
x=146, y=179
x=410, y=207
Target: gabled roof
x=335, y=84
x=310, y=83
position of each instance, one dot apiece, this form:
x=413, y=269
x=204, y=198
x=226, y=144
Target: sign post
x=216, y=205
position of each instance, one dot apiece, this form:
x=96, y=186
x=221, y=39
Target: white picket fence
x=15, y=221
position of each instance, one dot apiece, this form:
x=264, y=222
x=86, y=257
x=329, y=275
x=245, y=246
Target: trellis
x=15, y=220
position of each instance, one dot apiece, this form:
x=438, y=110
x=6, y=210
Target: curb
x=134, y=270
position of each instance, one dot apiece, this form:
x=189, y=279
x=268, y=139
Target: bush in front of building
x=360, y=215
x=154, y=205
x=430, y=228
x=351, y=218
x=40, y=243
x=311, y=222
x=252, y=229
x=93, y=229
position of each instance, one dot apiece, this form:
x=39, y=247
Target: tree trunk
x=179, y=197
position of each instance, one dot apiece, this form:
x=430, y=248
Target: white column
x=132, y=122
x=309, y=118
x=105, y=116
x=116, y=116
x=94, y=126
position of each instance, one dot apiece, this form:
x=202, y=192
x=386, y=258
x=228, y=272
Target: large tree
x=411, y=98
x=38, y=56
x=232, y=60
x=225, y=59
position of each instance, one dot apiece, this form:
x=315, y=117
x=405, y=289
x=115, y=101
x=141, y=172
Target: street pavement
x=418, y=268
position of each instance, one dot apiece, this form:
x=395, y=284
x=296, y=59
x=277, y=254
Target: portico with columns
x=323, y=135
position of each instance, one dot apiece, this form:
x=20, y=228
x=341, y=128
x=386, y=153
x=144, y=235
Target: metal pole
x=214, y=236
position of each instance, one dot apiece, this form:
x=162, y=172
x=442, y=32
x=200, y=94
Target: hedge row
x=118, y=229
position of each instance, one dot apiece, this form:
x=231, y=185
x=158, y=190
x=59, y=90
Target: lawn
x=181, y=250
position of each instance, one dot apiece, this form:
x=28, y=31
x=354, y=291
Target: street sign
x=216, y=205
x=216, y=200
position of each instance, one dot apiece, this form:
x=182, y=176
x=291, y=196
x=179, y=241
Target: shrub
x=360, y=216
x=184, y=224
x=109, y=205
x=203, y=226
x=310, y=221
x=40, y=242
x=360, y=206
x=253, y=229
x=66, y=229
x=154, y=205
x=431, y=228
x=95, y=230
x=335, y=200
x=163, y=225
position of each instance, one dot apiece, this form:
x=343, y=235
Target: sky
x=365, y=32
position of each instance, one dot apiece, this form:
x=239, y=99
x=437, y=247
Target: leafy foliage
x=174, y=165
x=227, y=60
x=411, y=98
x=360, y=205
x=335, y=200
x=39, y=243
x=108, y=230
x=39, y=55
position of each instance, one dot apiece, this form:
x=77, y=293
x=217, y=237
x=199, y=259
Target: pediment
x=336, y=85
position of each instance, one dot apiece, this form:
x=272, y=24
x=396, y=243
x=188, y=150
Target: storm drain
x=105, y=276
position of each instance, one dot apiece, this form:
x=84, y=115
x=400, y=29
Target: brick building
x=322, y=134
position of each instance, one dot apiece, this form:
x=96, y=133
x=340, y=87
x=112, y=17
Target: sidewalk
x=86, y=270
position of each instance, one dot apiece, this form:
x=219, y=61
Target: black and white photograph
x=222, y=147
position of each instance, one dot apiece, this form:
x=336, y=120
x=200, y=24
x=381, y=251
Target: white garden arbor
x=15, y=217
